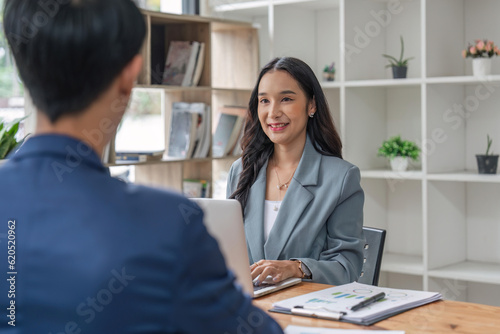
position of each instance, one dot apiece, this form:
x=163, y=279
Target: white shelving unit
x=442, y=218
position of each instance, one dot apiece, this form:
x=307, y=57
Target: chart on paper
x=344, y=299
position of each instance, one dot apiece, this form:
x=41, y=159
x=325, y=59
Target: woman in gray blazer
x=303, y=204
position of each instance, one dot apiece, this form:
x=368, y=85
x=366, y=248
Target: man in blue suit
x=88, y=253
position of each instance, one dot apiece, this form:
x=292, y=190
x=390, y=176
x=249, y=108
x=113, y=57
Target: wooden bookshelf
x=231, y=65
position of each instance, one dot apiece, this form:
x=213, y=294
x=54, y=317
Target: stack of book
x=189, y=130
x=139, y=156
x=184, y=63
x=229, y=131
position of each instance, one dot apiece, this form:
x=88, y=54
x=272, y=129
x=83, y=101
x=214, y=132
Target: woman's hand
x=278, y=269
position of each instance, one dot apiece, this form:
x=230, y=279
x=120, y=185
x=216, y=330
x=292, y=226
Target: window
x=171, y=6
x=11, y=87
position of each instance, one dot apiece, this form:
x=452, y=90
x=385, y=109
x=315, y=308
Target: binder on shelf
x=336, y=303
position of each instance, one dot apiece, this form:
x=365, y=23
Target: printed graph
x=320, y=301
x=346, y=295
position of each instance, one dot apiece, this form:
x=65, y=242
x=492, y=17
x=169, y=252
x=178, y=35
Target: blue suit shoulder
x=161, y=201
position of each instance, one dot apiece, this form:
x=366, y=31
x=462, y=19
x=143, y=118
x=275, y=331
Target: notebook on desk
x=224, y=221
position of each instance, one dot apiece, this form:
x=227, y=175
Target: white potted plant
x=487, y=163
x=481, y=53
x=399, y=151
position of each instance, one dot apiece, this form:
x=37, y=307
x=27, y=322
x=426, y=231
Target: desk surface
x=439, y=317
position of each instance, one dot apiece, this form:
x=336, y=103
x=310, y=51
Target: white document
x=314, y=330
x=339, y=300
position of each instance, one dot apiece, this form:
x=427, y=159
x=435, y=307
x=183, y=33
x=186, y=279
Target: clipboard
x=336, y=303
x=319, y=315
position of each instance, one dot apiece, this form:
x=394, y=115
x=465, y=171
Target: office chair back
x=373, y=250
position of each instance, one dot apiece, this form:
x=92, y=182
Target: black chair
x=374, y=248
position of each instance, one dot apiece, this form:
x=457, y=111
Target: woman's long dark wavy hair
x=258, y=148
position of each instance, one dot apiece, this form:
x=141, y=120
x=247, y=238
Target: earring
x=311, y=115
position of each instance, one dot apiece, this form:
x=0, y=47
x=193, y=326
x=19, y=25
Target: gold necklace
x=281, y=185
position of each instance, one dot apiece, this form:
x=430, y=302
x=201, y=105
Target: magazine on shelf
x=199, y=66
x=178, y=56
x=191, y=64
x=197, y=128
x=229, y=126
x=188, y=130
x=202, y=147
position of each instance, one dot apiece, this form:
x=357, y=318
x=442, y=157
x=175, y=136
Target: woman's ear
x=311, y=108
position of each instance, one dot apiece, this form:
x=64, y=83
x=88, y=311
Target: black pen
x=368, y=301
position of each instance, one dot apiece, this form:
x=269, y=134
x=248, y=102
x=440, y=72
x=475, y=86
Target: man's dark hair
x=68, y=52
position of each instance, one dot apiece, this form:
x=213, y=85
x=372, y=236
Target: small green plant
x=329, y=68
x=396, y=147
x=329, y=72
x=8, y=137
x=489, y=140
x=395, y=62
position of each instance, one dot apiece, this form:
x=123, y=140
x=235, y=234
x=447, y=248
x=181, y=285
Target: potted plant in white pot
x=399, y=152
x=481, y=53
x=399, y=66
x=487, y=163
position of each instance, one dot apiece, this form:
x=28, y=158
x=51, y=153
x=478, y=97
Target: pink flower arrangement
x=481, y=49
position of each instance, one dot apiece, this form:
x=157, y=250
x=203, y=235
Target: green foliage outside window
x=10, y=85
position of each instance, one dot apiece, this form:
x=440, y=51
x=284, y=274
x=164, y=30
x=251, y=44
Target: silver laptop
x=224, y=222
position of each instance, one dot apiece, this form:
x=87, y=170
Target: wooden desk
x=439, y=317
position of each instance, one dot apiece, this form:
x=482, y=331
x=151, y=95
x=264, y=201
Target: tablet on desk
x=224, y=221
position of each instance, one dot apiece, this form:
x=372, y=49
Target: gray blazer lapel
x=254, y=216
x=296, y=200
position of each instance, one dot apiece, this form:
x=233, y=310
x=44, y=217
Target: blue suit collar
x=70, y=149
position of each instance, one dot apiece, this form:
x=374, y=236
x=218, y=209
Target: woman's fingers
x=268, y=271
x=278, y=270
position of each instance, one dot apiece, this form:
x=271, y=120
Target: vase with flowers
x=481, y=53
